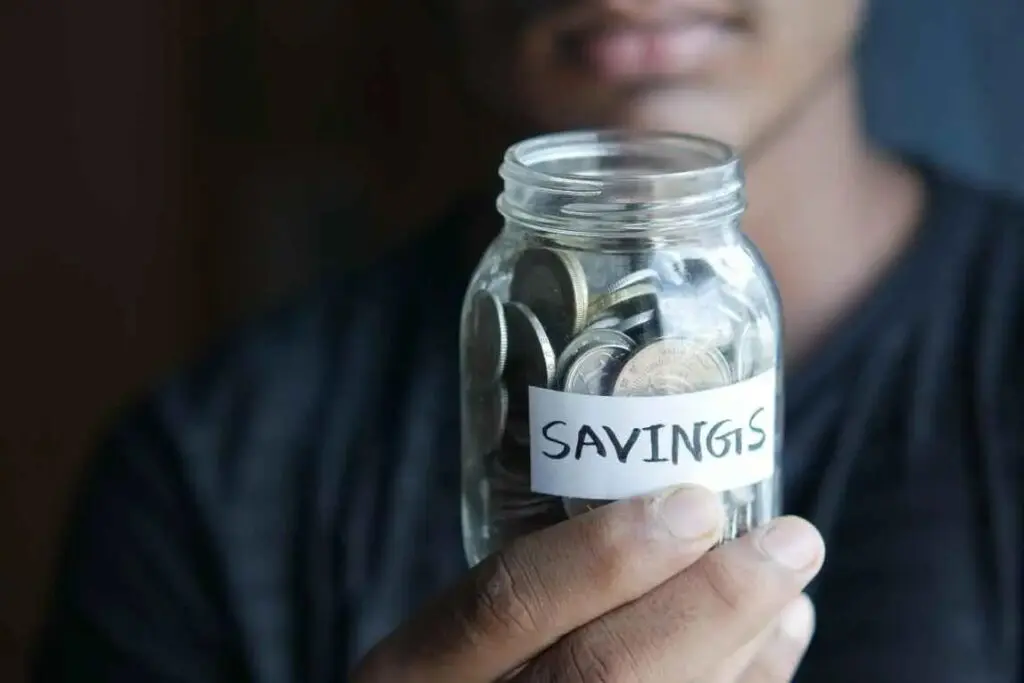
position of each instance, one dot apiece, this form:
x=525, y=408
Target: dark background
x=169, y=168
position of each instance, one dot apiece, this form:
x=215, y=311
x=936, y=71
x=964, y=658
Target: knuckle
x=505, y=601
x=729, y=584
x=581, y=660
x=609, y=557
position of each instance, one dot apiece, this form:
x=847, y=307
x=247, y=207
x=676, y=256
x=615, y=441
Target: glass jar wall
x=619, y=336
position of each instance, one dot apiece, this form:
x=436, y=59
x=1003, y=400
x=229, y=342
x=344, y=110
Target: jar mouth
x=621, y=176
x=581, y=156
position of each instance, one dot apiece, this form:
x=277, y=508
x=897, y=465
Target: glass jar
x=619, y=336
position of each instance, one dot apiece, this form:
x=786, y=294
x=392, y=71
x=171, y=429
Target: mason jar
x=620, y=335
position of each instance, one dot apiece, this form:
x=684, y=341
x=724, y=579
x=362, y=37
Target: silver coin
x=588, y=339
x=637, y=322
x=635, y=278
x=491, y=415
x=531, y=359
x=595, y=369
x=553, y=285
x=604, y=323
x=487, y=341
x=739, y=520
x=673, y=366
x=623, y=303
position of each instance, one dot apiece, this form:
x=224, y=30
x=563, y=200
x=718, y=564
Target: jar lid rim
x=525, y=160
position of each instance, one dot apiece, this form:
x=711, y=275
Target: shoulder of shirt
x=997, y=206
x=268, y=375
x=984, y=226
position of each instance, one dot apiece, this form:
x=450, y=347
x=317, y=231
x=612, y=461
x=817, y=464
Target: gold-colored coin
x=553, y=285
x=637, y=277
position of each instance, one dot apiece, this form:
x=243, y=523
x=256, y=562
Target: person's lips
x=656, y=51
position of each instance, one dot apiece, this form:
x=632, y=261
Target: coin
x=623, y=303
x=588, y=339
x=553, y=285
x=739, y=518
x=635, y=323
x=531, y=359
x=637, y=277
x=604, y=323
x=491, y=415
x=672, y=366
x=487, y=343
x=595, y=369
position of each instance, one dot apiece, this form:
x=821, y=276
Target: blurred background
x=170, y=168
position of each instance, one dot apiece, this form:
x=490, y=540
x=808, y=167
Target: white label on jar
x=610, y=447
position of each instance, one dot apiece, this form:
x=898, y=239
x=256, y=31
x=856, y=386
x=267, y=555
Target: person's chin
x=675, y=111
x=665, y=110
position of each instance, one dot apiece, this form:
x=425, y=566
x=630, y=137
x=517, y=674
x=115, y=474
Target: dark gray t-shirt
x=273, y=512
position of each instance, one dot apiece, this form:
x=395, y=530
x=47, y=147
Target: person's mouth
x=673, y=48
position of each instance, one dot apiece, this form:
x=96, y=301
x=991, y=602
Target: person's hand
x=628, y=592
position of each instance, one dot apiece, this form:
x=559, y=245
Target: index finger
x=519, y=601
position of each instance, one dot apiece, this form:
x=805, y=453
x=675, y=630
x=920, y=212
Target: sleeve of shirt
x=137, y=595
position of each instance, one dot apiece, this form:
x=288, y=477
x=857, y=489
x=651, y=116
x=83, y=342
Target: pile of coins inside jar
x=663, y=327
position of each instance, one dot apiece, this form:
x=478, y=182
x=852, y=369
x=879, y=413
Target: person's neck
x=827, y=211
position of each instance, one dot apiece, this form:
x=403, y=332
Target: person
x=288, y=509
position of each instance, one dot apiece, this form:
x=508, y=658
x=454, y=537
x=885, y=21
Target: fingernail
x=797, y=620
x=791, y=542
x=690, y=512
